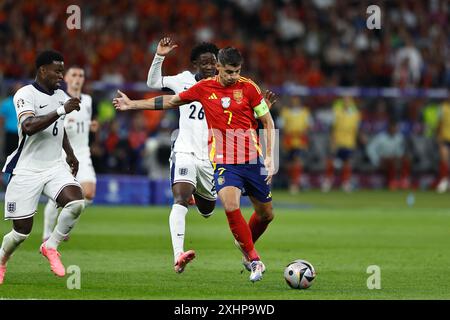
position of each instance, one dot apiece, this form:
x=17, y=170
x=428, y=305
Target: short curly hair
x=201, y=48
x=47, y=57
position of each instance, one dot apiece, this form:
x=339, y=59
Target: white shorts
x=24, y=190
x=86, y=172
x=186, y=167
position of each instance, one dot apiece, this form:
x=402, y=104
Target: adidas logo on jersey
x=212, y=97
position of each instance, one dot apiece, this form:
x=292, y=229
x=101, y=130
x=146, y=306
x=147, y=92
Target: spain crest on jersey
x=226, y=102
x=238, y=95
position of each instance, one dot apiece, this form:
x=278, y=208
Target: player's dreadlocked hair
x=230, y=56
x=47, y=57
x=204, y=47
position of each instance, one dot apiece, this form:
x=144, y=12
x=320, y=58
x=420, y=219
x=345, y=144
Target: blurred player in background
x=232, y=105
x=191, y=171
x=77, y=125
x=346, y=122
x=296, y=121
x=443, y=138
x=387, y=151
x=37, y=167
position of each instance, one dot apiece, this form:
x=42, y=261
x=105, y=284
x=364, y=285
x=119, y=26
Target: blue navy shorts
x=344, y=154
x=247, y=177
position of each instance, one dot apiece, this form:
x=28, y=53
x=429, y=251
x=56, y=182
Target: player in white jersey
x=191, y=171
x=78, y=125
x=37, y=167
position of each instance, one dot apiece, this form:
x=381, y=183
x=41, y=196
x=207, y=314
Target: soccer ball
x=299, y=274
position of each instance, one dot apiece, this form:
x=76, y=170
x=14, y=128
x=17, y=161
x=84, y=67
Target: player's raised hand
x=121, y=102
x=165, y=45
x=270, y=98
x=72, y=104
x=73, y=163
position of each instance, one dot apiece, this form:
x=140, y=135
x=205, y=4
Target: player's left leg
x=345, y=156
x=89, y=189
x=66, y=191
x=261, y=217
x=205, y=195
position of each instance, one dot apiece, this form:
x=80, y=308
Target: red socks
x=443, y=169
x=241, y=232
x=257, y=226
x=346, y=172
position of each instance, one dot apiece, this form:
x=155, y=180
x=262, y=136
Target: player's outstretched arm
x=123, y=103
x=33, y=124
x=154, y=77
x=71, y=158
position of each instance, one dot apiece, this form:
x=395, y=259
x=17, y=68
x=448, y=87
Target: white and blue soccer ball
x=299, y=274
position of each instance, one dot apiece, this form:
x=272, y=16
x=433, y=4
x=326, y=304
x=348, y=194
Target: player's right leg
x=182, y=192
x=87, y=178
x=183, y=179
x=21, y=201
x=230, y=198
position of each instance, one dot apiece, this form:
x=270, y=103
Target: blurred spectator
x=345, y=131
x=387, y=151
x=9, y=120
x=408, y=64
x=295, y=123
x=443, y=138
x=114, y=47
x=137, y=136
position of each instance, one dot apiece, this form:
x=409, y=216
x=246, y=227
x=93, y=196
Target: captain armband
x=261, y=109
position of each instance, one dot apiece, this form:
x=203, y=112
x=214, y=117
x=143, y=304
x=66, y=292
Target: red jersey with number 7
x=230, y=116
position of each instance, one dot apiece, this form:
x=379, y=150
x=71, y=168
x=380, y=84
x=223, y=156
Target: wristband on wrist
x=61, y=111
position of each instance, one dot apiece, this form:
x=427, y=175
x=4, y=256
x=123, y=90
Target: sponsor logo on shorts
x=183, y=171
x=11, y=207
x=221, y=180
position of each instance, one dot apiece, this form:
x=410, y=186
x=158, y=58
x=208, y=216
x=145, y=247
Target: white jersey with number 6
x=42, y=150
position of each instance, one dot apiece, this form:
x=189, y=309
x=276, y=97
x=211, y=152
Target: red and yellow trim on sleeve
x=246, y=80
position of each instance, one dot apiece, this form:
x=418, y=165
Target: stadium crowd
x=315, y=43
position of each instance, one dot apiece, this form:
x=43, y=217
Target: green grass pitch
x=125, y=252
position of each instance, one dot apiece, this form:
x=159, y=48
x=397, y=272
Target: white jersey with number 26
x=193, y=129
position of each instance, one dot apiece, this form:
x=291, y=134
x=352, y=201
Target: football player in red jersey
x=232, y=105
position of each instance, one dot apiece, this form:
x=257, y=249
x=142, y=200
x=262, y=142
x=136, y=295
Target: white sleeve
x=372, y=150
x=154, y=77
x=24, y=103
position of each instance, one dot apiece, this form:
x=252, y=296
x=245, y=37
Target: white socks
x=10, y=243
x=66, y=220
x=177, y=223
x=50, y=216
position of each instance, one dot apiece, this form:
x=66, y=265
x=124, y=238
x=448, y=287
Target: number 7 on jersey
x=229, y=116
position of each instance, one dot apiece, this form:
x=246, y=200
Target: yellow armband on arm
x=261, y=109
